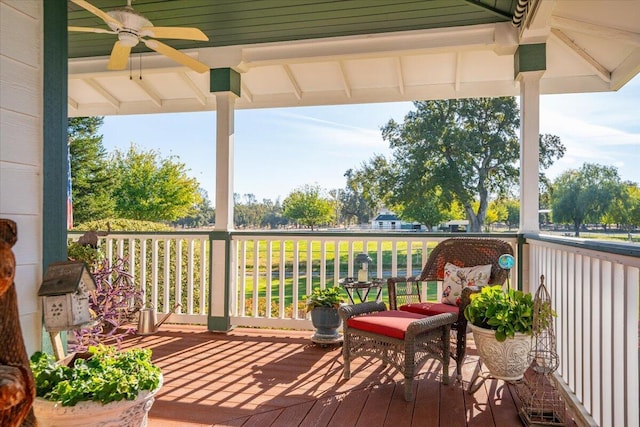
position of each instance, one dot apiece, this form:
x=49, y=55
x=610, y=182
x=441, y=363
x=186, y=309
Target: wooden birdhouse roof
x=65, y=277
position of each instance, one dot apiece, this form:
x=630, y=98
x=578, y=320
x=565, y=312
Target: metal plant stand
x=542, y=404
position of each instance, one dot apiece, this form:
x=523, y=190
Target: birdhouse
x=65, y=290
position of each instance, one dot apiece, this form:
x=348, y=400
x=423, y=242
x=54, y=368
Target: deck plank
x=257, y=377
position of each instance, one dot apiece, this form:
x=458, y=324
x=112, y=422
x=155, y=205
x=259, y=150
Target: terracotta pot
x=123, y=413
x=507, y=360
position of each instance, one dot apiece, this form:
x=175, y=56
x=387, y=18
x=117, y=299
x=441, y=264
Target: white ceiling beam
x=202, y=99
x=345, y=80
x=624, y=36
x=149, y=91
x=400, y=74
x=373, y=45
x=103, y=92
x=294, y=84
x=599, y=69
x=245, y=92
x=629, y=68
x=72, y=103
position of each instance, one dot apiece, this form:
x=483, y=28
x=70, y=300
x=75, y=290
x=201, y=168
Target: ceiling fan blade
x=176, y=55
x=99, y=13
x=183, y=33
x=119, y=56
x=91, y=30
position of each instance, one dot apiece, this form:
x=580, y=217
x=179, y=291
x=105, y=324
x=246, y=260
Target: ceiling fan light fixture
x=128, y=38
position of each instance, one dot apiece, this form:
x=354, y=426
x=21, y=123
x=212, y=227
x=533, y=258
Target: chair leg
x=346, y=358
x=461, y=349
x=408, y=388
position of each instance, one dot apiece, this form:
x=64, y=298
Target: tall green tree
x=151, y=187
x=461, y=150
x=583, y=195
x=308, y=207
x=624, y=210
x=91, y=182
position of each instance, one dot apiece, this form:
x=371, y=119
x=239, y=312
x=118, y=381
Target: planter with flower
x=502, y=326
x=101, y=387
x=323, y=305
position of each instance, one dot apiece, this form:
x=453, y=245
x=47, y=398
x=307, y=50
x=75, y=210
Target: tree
x=625, y=210
x=353, y=201
x=203, y=214
x=584, y=195
x=464, y=150
x=150, y=187
x=91, y=183
x=306, y=206
x=513, y=212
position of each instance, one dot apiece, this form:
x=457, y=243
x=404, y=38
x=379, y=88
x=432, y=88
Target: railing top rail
x=617, y=248
x=368, y=234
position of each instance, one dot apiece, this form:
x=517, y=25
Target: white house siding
x=21, y=100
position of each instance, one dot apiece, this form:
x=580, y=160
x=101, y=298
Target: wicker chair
x=403, y=340
x=463, y=252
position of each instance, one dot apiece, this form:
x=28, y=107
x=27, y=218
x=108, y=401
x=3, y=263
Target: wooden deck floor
x=260, y=377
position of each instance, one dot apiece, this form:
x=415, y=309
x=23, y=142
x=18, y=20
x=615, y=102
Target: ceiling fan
x=132, y=28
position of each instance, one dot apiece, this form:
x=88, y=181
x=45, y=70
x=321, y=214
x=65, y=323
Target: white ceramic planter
x=125, y=413
x=507, y=360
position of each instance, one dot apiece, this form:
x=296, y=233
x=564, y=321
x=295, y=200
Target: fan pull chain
x=140, y=64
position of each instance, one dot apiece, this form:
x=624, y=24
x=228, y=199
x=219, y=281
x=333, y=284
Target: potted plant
x=101, y=387
x=502, y=326
x=323, y=305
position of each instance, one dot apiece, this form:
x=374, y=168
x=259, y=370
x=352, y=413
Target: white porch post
x=225, y=83
x=224, y=160
x=530, y=64
x=529, y=151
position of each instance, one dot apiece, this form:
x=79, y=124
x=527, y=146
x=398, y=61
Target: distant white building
x=387, y=220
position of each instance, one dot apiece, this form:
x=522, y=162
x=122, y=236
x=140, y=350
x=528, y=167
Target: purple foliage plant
x=114, y=305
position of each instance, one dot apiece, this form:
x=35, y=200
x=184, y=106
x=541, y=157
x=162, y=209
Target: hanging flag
x=69, y=198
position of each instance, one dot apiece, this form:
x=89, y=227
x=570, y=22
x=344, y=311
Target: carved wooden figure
x=17, y=389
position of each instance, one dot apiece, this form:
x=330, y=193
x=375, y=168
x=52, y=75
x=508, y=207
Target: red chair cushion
x=392, y=323
x=429, y=308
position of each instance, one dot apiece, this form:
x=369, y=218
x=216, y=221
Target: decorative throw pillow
x=456, y=278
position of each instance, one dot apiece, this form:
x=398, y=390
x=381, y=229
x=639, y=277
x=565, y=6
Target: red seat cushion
x=392, y=323
x=429, y=308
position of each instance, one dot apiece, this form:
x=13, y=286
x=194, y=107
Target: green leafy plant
x=328, y=297
x=105, y=375
x=506, y=312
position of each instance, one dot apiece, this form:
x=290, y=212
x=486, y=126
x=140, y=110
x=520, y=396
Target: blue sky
x=278, y=150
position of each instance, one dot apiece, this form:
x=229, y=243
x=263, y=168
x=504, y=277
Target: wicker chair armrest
x=420, y=326
x=348, y=311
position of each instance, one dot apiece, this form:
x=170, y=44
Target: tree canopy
x=584, y=195
x=91, y=182
x=306, y=206
x=150, y=187
x=461, y=150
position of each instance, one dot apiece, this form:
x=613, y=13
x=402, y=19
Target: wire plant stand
x=542, y=404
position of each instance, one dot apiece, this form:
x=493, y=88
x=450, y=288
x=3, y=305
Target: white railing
x=595, y=291
x=164, y=282
x=315, y=260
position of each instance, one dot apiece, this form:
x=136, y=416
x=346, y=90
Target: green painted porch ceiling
x=241, y=22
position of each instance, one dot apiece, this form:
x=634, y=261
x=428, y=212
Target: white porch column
x=225, y=84
x=224, y=160
x=529, y=151
x=530, y=64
